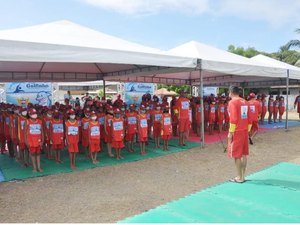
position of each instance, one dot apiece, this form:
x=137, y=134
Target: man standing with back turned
x=239, y=126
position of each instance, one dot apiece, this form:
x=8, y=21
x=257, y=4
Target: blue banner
x=23, y=93
x=135, y=91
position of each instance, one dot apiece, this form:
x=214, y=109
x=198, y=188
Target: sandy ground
x=113, y=193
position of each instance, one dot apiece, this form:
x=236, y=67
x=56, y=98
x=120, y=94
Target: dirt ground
x=113, y=193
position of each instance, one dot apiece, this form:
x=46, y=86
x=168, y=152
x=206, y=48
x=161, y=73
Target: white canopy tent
x=66, y=52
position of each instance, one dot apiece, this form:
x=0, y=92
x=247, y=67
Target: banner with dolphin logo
x=135, y=91
x=23, y=93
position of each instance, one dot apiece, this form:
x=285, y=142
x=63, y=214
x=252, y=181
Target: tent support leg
x=202, y=111
x=104, y=94
x=287, y=99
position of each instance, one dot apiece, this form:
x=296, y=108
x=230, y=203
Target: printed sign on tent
x=23, y=93
x=135, y=91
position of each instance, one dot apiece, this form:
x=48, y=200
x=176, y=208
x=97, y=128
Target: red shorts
x=22, y=146
x=73, y=147
x=35, y=150
x=212, y=120
x=239, y=145
x=184, y=125
x=118, y=144
x=57, y=146
x=165, y=137
x=143, y=139
x=254, y=126
x=94, y=146
x=108, y=139
x=15, y=141
x=84, y=141
x=129, y=137
x=156, y=130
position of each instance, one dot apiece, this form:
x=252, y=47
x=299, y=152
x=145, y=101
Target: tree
x=294, y=43
x=175, y=88
x=249, y=52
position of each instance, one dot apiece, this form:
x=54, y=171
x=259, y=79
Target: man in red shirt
x=297, y=103
x=182, y=113
x=239, y=126
x=255, y=109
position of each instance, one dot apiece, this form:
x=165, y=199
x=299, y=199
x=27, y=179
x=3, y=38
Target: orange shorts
x=143, y=139
x=94, y=146
x=165, y=137
x=184, y=125
x=239, y=145
x=57, y=146
x=108, y=139
x=156, y=130
x=73, y=148
x=254, y=126
x=129, y=137
x=22, y=146
x=35, y=150
x=84, y=141
x=118, y=144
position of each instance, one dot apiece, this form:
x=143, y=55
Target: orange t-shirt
x=57, y=131
x=166, y=127
x=131, y=123
x=72, y=131
x=94, y=130
x=183, y=105
x=238, y=110
x=142, y=125
x=34, y=132
x=117, y=129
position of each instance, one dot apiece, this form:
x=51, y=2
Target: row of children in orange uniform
x=53, y=129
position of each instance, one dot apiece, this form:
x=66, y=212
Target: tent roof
x=63, y=51
x=294, y=71
x=67, y=33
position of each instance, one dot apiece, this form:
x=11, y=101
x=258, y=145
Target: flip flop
x=234, y=180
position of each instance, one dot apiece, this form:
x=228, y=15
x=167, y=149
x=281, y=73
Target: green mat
x=269, y=196
x=14, y=171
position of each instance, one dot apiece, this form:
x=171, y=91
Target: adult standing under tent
x=297, y=103
x=239, y=126
x=182, y=112
x=255, y=111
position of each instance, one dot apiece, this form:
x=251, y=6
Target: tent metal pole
x=287, y=99
x=201, y=101
x=104, y=94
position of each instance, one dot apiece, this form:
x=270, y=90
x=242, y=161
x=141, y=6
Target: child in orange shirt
x=142, y=127
x=57, y=135
x=166, y=127
x=46, y=126
x=94, y=137
x=130, y=123
x=107, y=129
x=84, y=131
x=156, y=117
x=117, y=133
x=72, y=137
x=34, y=139
x=281, y=107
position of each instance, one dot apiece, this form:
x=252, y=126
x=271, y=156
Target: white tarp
x=294, y=72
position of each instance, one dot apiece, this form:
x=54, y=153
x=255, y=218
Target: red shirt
x=85, y=126
x=166, y=127
x=156, y=116
x=34, y=132
x=13, y=127
x=254, y=110
x=130, y=122
x=183, y=105
x=57, y=131
x=238, y=110
x=94, y=130
x=72, y=131
x=297, y=101
x=212, y=111
x=276, y=106
x=46, y=126
x=198, y=113
x=117, y=129
x=281, y=106
x=270, y=106
x=6, y=125
x=142, y=125
x=221, y=112
x=21, y=126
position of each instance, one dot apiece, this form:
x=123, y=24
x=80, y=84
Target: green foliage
x=293, y=43
x=248, y=52
x=175, y=88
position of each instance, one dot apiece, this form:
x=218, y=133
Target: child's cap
x=116, y=111
x=71, y=112
x=32, y=111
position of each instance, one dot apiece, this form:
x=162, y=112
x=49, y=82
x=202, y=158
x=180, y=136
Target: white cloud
x=275, y=12
x=146, y=7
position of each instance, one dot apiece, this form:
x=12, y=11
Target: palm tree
x=294, y=43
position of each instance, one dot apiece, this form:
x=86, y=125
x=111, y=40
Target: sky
x=263, y=24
